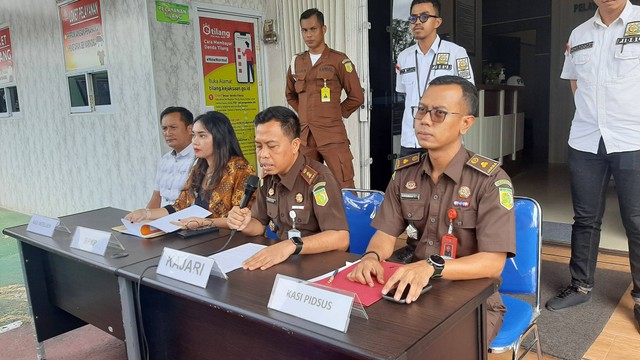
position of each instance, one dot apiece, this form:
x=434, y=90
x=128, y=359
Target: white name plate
x=182, y=266
x=42, y=225
x=312, y=303
x=91, y=240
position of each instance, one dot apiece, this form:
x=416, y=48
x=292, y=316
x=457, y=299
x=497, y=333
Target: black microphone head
x=252, y=184
x=249, y=188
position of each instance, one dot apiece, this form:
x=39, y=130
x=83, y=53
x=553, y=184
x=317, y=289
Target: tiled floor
x=549, y=185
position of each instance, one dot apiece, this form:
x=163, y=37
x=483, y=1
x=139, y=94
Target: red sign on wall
x=83, y=35
x=6, y=57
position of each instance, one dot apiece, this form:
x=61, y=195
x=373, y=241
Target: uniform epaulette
x=483, y=164
x=338, y=52
x=406, y=161
x=309, y=174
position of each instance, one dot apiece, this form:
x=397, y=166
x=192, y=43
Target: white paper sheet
x=232, y=259
x=164, y=223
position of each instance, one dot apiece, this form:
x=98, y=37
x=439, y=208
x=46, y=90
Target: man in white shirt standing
x=422, y=62
x=174, y=166
x=603, y=66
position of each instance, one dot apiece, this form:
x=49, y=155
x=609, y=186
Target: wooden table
x=230, y=319
x=68, y=288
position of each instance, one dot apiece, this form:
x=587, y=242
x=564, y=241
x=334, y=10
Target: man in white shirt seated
x=174, y=166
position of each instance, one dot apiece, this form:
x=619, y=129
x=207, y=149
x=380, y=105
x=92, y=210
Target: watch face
x=296, y=240
x=436, y=259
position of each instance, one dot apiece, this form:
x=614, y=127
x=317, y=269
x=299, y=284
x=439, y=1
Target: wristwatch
x=438, y=265
x=298, y=242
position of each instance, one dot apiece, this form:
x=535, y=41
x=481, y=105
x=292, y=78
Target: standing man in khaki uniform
x=294, y=188
x=314, y=85
x=449, y=190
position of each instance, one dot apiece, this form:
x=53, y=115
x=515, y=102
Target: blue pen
x=332, y=276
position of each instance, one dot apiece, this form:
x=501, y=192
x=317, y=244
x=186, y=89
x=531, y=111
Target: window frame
x=8, y=100
x=90, y=91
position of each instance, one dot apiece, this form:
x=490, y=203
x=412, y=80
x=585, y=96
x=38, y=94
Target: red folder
x=368, y=295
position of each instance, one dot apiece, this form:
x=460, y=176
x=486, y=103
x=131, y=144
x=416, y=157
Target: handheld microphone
x=249, y=188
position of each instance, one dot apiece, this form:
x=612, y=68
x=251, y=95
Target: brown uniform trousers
x=324, y=137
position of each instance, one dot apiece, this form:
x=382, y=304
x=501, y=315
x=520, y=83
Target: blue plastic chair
x=360, y=210
x=521, y=275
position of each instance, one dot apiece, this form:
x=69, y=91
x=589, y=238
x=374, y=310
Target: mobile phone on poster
x=243, y=48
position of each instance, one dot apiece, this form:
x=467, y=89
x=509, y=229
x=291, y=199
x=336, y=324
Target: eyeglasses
x=423, y=18
x=437, y=115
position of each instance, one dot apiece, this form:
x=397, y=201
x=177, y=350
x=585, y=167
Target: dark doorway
x=382, y=84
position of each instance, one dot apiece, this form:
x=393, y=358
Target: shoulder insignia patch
x=483, y=164
x=406, y=161
x=464, y=70
x=348, y=65
x=316, y=186
x=308, y=174
x=506, y=198
x=503, y=182
x=462, y=64
x=321, y=196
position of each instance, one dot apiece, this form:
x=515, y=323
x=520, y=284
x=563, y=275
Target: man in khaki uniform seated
x=447, y=190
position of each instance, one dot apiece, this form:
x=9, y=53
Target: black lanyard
x=426, y=83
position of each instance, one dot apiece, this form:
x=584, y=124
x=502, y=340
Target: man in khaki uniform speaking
x=314, y=85
x=298, y=196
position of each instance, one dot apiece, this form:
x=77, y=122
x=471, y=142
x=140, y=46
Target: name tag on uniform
x=271, y=200
x=409, y=196
x=581, y=47
x=441, y=67
x=407, y=70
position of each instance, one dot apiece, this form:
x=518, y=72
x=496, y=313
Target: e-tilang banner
x=83, y=35
x=229, y=69
x=6, y=62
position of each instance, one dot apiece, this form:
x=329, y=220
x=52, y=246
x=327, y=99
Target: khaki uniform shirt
x=310, y=190
x=323, y=118
x=476, y=187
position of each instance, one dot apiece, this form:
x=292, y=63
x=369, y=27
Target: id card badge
x=294, y=233
x=325, y=93
x=449, y=243
x=449, y=246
